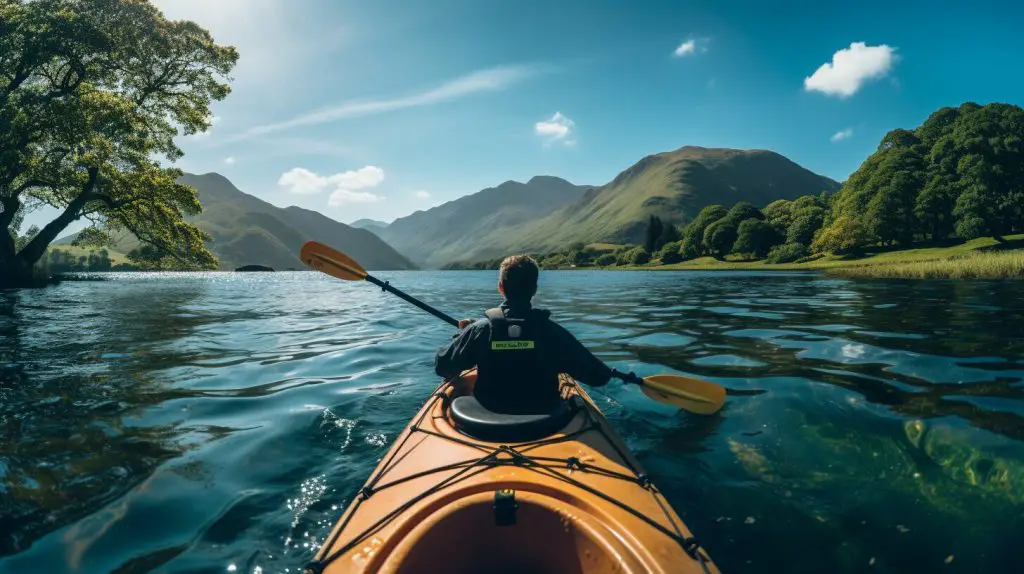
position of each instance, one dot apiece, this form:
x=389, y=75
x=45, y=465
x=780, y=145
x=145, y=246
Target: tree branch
x=37, y=247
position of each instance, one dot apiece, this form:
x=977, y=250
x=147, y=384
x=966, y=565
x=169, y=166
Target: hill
x=675, y=186
x=479, y=224
x=249, y=231
x=369, y=224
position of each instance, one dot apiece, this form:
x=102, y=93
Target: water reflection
x=188, y=423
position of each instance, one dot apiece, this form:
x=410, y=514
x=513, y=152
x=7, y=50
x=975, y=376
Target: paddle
x=694, y=395
x=336, y=264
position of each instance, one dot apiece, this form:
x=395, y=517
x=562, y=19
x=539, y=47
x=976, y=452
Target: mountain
x=249, y=231
x=370, y=224
x=673, y=185
x=480, y=224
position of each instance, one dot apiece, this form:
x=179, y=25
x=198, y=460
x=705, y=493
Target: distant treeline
x=58, y=261
x=958, y=176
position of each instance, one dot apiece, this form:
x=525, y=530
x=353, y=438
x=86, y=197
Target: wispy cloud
x=488, y=80
x=690, y=47
x=557, y=128
x=229, y=160
x=850, y=69
x=421, y=194
x=345, y=185
x=841, y=135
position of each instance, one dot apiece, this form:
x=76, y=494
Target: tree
x=719, y=237
x=743, y=210
x=787, y=253
x=639, y=256
x=756, y=237
x=779, y=213
x=804, y=225
x=669, y=253
x=654, y=230
x=669, y=234
x=845, y=235
x=92, y=94
x=693, y=233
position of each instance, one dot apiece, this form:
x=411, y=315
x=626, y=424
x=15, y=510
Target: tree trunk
x=16, y=268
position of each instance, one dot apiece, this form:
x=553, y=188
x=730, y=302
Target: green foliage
x=742, y=211
x=639, y=256
x=787, y=253
x=961, y=171
x=669, y=234
x=669, y=253
x=756, y=237
x=780, y=214
x=806, y=222
x=845, y=235
x=89, y=99
x=605, y=259
x=654, y=229
x=57, y=261
x=693, y=234
x=719, y=237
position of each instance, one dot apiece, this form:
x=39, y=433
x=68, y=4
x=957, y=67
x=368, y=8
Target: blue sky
x=377, y=109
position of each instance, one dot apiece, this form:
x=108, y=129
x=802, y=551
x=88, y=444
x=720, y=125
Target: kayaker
x=518, y=350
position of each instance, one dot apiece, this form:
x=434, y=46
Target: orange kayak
x=463, y=490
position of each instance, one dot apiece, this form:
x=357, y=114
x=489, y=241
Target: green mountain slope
x=479, y=224
x=675, y=186
x=370, y=224
x=249, y=231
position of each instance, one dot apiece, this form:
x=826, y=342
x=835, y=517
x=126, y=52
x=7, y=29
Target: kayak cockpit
x=550, y=537
x=473, y=419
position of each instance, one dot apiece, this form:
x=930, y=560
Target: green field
x=978, y=258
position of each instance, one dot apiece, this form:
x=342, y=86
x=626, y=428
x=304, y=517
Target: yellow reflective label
x=511, y=345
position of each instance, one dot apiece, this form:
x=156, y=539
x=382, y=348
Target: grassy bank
x=982, y=258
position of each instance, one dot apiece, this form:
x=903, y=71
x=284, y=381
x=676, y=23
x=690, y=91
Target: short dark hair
x=518, y=277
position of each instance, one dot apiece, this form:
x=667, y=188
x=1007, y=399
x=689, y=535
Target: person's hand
x=465, y=323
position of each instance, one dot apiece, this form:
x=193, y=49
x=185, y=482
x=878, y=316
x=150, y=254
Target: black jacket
x=564, y=353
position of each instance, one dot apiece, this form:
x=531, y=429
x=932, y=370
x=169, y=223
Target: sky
x=378, y=109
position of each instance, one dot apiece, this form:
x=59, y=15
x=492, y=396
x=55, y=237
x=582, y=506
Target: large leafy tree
x=92, y=95
x=756, y=237
x=961, y=172
x=693, y=233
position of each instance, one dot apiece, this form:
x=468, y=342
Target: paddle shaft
x=387, y=287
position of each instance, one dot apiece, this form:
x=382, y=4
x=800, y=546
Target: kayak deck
x=572, y=502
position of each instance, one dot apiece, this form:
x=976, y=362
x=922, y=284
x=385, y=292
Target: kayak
x=465, y=490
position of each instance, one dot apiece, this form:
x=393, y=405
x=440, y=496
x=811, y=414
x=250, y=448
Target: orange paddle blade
x=331, y=261
x=695, y=395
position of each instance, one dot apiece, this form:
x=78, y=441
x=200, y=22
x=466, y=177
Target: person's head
x=517, y=278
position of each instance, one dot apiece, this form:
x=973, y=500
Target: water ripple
x=203, y=422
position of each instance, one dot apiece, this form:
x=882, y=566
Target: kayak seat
x=471, y=418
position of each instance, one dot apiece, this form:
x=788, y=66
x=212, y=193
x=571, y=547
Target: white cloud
x=691, y=46
x=488, y=80
x=421, y=194
x=850, y=69
x=842, y=135
x=229, y=161
x=557, y=128
x=302, y=181
x=686, y=48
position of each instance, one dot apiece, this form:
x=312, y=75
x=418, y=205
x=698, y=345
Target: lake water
x=221, y=422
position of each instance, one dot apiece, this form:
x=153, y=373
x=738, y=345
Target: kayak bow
x=464, y=490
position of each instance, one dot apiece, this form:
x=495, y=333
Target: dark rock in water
x=253, y=268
